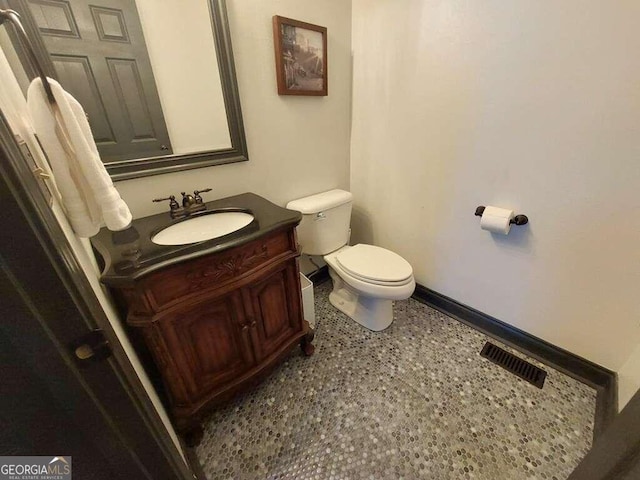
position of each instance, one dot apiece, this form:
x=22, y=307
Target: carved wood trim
x=178, y=283
x=229, y=268
x=166, y=311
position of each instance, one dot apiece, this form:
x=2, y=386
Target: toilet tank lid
x=320, y=201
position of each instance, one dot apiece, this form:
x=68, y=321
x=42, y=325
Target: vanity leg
x=305, y=344
x=193, y=435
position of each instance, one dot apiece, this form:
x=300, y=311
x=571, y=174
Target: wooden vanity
x=216, y=318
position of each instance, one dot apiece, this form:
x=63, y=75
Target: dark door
x=615, y=455
x=95, y=410
x=45, y=409
x=99, y=54
x=275, y=309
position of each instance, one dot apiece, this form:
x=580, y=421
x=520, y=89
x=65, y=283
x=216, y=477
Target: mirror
x=156, y=78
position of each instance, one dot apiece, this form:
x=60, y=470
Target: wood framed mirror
x=157, y=80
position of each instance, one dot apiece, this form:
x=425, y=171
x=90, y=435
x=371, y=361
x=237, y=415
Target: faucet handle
x=196, y=194
x=173, y=204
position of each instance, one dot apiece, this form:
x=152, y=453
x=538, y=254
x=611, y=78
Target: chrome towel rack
x=14, y=18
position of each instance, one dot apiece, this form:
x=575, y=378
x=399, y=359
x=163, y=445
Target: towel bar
x=14, y=18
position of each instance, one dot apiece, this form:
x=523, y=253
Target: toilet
x=366, y=279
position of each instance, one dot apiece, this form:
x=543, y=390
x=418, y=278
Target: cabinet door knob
x=253, y=324
x=245, y=327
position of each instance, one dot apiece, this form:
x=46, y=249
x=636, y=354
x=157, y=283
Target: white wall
x=185, y=67
x=528, y=105
x=297, y=145
x=629, y=378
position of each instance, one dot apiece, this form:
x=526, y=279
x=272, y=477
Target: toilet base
x=373, y=313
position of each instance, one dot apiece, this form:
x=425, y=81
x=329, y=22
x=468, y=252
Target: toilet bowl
x=366, y=279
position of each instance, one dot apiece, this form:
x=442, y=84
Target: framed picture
x=301, y=57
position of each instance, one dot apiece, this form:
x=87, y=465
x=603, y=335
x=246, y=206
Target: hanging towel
x=88, y=195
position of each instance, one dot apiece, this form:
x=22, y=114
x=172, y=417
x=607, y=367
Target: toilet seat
x=368, y=302
x=375, y=265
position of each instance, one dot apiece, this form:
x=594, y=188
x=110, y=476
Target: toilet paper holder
x=517, y=220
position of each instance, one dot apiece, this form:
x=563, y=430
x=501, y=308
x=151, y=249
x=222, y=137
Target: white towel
x=88, y=195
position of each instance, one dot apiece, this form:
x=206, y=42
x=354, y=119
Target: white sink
x=203, y=227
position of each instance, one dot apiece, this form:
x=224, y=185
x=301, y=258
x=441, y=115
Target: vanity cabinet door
x=209, y=342
x=274, y=309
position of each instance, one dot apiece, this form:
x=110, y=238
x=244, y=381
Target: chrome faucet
x=190, y=203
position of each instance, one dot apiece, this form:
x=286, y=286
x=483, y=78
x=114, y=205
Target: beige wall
x=528, y=105
x=297, y=145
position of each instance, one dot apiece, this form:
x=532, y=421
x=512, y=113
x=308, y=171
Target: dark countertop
x=130, y=254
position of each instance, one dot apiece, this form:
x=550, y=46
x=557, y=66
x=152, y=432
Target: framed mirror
x=156, y=78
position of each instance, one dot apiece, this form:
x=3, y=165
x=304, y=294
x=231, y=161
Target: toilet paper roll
x=496, y=220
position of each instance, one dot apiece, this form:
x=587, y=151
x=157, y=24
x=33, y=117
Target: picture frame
x=301, y=57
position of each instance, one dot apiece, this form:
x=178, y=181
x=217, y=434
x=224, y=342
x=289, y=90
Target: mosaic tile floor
x=414, y=401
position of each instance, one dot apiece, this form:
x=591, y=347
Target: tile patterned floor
x=414, y=401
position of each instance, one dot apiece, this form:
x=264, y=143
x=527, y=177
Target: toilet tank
x=325, y=221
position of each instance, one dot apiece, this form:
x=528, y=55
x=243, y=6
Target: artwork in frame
x=301, y=57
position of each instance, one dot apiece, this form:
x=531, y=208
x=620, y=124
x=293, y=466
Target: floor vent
x=517, y=366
